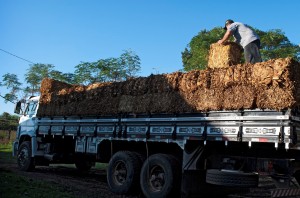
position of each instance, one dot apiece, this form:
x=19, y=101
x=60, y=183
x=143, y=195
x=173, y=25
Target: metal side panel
x=106, y=130
x=80, y=144
x=91, y=146
x=222, y=133
x=56, y=130
x=71, y=130
x=44, y=129
x=87, y=130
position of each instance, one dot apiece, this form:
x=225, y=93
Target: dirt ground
x=87, y=185
x=92, y=184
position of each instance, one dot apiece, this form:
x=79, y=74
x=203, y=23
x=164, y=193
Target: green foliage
x=11, y=82
x=109, y=69
x=84, y=72
x=8, y=122
x=195, y=56
x=130, y=63
x=103, y=70
x=64, y=77
x=6, y=147
x=273, y=42
x=35, y=75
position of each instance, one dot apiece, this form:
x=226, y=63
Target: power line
x=17, y=56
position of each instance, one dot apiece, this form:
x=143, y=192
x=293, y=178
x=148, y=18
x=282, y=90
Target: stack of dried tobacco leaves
x=274, y=84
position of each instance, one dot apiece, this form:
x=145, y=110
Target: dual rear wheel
x=157, y=176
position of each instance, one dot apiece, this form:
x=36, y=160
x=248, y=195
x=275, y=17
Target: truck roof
x=34, y=98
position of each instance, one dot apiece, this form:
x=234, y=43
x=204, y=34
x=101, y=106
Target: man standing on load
x=246, y=37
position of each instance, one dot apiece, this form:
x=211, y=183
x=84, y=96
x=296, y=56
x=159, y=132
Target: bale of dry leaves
x=224, y=55
x=274, y=84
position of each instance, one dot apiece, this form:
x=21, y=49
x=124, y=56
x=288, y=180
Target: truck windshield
x=30, y=109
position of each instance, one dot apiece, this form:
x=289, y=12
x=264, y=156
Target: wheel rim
x=120, y=173
x=156, y=178
x=23, y=156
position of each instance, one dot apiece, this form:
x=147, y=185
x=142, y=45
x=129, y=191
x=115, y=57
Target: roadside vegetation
x=14, y=185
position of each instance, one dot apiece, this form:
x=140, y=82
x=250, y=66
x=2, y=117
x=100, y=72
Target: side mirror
x=18, y=108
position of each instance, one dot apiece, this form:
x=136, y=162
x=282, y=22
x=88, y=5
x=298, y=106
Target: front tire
x=25, y=161
x=160, y=176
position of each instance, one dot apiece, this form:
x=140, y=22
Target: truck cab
x=27, y=123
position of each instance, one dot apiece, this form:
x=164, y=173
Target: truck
x=232, y=131
x=170, y=155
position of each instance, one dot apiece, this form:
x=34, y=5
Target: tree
x=64, y=77
x=8, y=122
x=36, y=73
x=130, y=63
x=11, y=82
x=109, y=69
x=103, y=70
x=84, y=73
x=273, y=42
x=195, y=55
x=69, y=78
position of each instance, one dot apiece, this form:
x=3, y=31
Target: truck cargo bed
x=278, y=127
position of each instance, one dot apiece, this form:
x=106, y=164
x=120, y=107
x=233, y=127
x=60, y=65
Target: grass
x=13, y=186
x=6, y=147
x=6, y=140
x=6, y=152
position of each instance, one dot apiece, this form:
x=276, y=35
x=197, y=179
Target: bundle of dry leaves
x=274, y=84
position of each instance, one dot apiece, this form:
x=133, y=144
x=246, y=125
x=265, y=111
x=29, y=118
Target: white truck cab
x=27, y=122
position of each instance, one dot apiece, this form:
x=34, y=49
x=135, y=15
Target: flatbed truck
x=169, y=155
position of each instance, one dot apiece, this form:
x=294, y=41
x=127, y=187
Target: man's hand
x=220, y=41
x=225, y=37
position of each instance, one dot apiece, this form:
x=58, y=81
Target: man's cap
x=229, y=21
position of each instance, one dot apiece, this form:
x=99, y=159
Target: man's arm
x=225, y=37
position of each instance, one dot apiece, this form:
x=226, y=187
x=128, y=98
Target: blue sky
x=66, y=32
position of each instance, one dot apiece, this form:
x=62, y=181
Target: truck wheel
x=123, y=172
x=231, y=178
x=25, y=161
x=160, y=176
